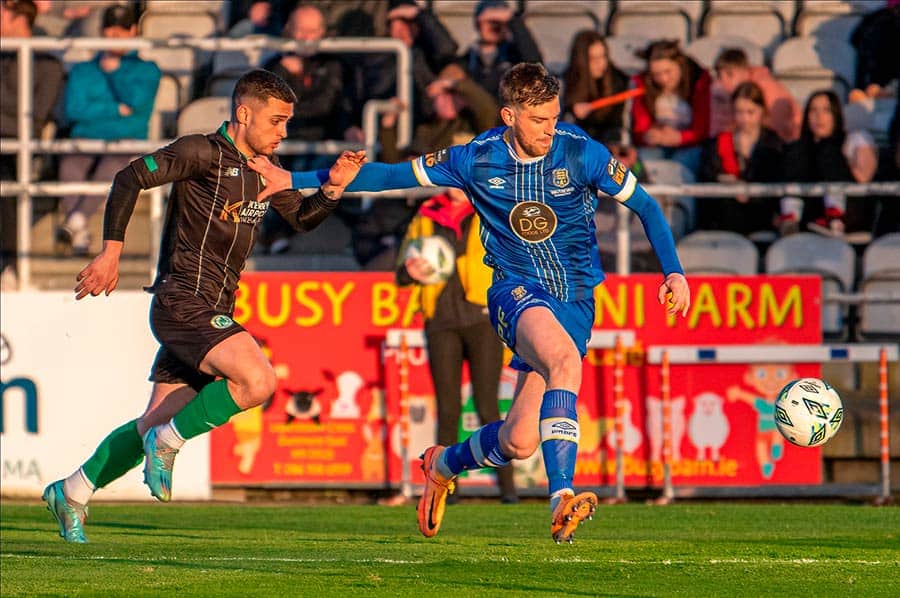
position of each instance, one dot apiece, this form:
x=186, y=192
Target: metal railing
x=25, y=146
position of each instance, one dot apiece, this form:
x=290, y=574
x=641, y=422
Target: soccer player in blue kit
x=533, y=182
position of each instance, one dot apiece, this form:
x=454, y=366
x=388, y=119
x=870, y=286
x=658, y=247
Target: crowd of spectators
x=734, y=122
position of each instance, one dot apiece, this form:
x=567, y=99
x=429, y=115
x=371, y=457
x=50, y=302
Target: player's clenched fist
x=675, y=294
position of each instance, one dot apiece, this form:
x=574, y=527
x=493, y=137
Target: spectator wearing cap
x=503, y=41
x=17, y=21
x=110, y=97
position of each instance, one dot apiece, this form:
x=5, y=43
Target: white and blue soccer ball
x=439, y=254
x=808, y=412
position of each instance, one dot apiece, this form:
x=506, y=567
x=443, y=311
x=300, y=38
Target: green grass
x=699, y=549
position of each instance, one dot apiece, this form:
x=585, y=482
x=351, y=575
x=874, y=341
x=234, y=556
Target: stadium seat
x=763, y=23
x=831, y=258
x=654, y=20
x=680, y=211
x=222, y=84
x=718, y=252
x=705, y=50
x=163, y=25
x=204, y=115
x=832, y=20
x=807, y=64
x=217, y=8
x=554, y=30
x=881, y=277
x=623, y=52
x=177, y=62
x=165, y=108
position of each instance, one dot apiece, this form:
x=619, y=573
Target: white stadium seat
x=554, y=30
x=680, y=210
x=760, y=22
x=653, y=20
x=812, y=54
x=623, y=49
x=163, y=25
x=204, y=115
x=831, y=258
x=718, y=252
x=881, y=277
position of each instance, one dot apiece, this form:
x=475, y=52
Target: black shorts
x=186, y=328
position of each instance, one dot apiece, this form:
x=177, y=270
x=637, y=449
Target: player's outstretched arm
x=372, y=177
x=102, y=274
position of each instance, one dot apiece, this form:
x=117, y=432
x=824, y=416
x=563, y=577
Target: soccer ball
x=808, y=412
x=439, y=254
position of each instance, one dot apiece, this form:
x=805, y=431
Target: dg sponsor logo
x=532, y=222
x=221, y=322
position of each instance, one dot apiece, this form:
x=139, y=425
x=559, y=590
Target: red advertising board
x=333, y=422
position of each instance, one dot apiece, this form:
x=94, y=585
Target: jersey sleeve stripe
x=419, y=171
x=627, y=189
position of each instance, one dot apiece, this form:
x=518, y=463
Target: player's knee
x=518, y=444
x=260, y=385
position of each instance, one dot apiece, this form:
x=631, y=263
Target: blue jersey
x=537, y=215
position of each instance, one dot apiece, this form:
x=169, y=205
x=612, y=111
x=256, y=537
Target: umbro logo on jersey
x=496, y=182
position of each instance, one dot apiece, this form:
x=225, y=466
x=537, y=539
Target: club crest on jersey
x=561, y=177
x=518, y=293
x=532, y=222
x=221, y=322
x=616, y=170
x=496, y=182
x=231, y=211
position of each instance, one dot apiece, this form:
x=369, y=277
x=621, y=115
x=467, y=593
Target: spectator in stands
x=110, y=97
x=732, y=69
x=432, y=47
x=16, y=21
x=826, y=153
x=671, y=120
x=751, y=153
x=457, y=327
x=887, y=219
x=259, y=20
x=317, y=82
x=503, y=41
x=462, y=109
x=591, y=75
x=877, y=43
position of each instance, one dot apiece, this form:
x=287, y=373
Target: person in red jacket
x=671, y=119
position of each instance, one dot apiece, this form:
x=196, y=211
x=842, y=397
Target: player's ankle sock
x=557, y=496
x=121, y=451
x=212, y=407
x=481, y=449
x=77, y=488
x=169, y=436
x=559, y=437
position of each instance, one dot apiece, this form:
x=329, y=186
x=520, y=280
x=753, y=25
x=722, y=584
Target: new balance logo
x=496, y=182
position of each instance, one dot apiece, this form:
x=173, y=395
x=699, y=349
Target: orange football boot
x=569, y=513
x=430, y=511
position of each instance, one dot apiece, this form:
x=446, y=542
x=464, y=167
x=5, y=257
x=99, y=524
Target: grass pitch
x=699, y=549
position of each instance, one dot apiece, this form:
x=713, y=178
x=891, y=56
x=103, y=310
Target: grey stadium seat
x=881, y=279
x=165, y=24
x=831, y=258
x=718, y=252
x=763, y=23
x=705, y=50
x=554, y=30
x=180, y=63
x=165, y=108
x=813, y=54
x=458, y=17
x=655, y=20
x=832, y=20
x=204, y=115
x=622, y=52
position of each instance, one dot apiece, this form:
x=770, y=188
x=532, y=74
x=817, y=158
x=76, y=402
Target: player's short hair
x=528, y=84
x=22, y=8
x=261, y=85
x=731, y=58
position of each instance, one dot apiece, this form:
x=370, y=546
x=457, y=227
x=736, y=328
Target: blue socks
x=559, y=438
x=482, y=449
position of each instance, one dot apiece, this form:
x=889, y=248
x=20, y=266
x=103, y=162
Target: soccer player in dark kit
x=208, y=367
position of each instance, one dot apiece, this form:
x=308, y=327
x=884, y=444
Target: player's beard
x=532, y=149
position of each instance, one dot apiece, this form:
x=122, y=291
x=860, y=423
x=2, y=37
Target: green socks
x=118, y=453
x=212, y=407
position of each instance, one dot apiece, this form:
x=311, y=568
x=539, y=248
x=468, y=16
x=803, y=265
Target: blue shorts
x=509, y=297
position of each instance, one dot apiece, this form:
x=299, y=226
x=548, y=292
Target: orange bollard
x=403, y=366
x=665, y=390
x=619, y=402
